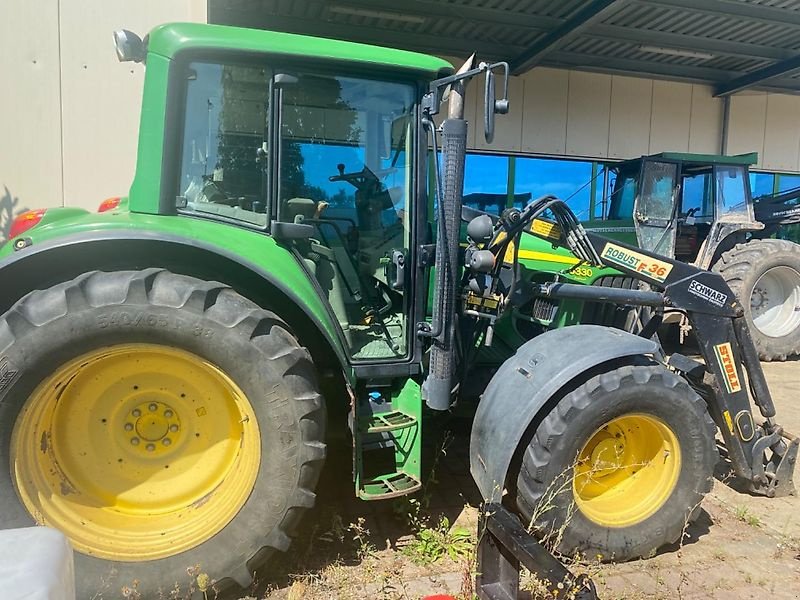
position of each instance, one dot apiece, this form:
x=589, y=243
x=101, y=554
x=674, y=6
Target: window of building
x=569, y=180
x=788, y=182
x=486, y=182
x=762, y=184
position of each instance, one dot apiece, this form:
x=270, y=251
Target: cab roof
x=172, y=38
x=750, y=158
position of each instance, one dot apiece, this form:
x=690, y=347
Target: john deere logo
x=7, y=374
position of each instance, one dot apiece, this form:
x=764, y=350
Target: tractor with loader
x=699, y=209
x=169, y=366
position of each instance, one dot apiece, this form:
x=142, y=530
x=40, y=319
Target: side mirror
x=130, y=47
x=491, y=105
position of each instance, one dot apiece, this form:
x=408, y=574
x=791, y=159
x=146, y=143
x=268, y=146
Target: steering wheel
x=692, y=211
x=363, y=179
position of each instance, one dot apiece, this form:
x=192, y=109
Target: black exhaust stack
x=438, y=385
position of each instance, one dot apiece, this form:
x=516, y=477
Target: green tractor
x=699, y=209
x=169, y=366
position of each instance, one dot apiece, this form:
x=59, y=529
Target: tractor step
x=389, y=486
x=387, y=441
x=390, y=421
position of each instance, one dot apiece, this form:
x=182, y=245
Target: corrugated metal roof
x=730, y=43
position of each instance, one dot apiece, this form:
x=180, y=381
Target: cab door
x=654, y=210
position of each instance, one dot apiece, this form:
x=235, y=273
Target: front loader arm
x=759, y=452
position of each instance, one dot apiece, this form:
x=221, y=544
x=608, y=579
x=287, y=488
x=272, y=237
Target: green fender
x=69, y=242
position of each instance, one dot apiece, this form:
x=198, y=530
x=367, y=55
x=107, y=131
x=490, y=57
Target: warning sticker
x=546, y=229
x=728, y=420
x=724, y=354
x=652, y=268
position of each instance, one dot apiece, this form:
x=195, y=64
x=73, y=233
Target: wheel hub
x=626, y=470
x=775, y=302
x=153, y=427
x=607, y=456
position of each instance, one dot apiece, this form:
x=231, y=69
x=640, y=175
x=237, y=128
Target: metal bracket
x=433, y=98
x=505, y=545
x=777, y=473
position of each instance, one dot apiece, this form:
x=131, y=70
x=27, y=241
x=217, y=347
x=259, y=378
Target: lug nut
x=135, y=441
x=153, y=407
x=166, y=441
x=136, y=412
x=173, y=428
x=150, y=447
x=128, y=426
x=168, y=413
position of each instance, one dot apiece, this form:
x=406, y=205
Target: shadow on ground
x=341, y=527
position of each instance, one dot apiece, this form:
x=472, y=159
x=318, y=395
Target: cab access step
x=387, y=441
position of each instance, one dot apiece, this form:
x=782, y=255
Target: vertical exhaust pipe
x=438, y=385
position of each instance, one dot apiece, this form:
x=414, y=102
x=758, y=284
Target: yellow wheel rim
x=627, y=470
x=136, y=451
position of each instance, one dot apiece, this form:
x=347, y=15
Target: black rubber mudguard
x=524, y=384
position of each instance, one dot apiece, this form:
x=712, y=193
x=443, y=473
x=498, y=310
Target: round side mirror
x=489, y=107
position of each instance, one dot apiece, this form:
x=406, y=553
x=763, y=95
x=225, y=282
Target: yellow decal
x=581, y=272
x=724, y=354
x=728, y=420
x=651, y=268
x=546, y=229
x=508, y=257
x=556, y=258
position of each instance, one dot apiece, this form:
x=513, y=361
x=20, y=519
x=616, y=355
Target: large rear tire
x=171, y=428
x=628, y=318
x=765, y=276
x=619, y=466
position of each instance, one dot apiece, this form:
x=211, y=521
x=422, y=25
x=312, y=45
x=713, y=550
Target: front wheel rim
x=775, y=301
x=136, y=451
x=627, y=470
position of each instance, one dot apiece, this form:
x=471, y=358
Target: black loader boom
x=774, y=210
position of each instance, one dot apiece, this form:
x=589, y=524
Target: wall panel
x=101, y=96
x=544, y=111
x=588, y=111
x=30, y=111
x=671, y=117
x=629, y=127
x=748, y=117
x=782, y=133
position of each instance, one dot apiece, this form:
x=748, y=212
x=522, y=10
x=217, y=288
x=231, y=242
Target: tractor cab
x=675, y=201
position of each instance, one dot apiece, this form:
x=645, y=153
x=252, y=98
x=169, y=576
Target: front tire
x=619, y=466
x=765, y=276
x=167, y=425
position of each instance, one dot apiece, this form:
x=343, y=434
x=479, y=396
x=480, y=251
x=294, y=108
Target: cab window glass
x=623, y=196
x=696, y=196
x=731, y=190
x=658, y=185
x=225, y=125
x=345, y=168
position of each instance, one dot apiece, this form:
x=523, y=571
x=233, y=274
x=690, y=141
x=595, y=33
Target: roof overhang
x=731, y=45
